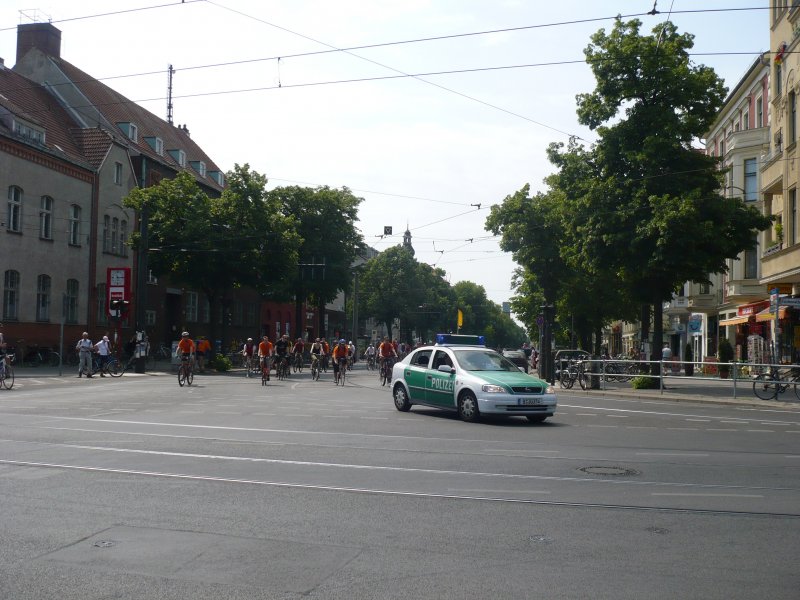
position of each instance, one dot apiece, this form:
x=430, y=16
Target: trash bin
x=596, y=370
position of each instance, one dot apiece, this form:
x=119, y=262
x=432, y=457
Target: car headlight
x=550, y=390
x=493, y=389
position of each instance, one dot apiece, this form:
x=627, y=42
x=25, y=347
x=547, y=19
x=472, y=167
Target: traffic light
x=120, y=305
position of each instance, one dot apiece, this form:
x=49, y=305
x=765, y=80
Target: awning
x=768, y=315
x=733, y=321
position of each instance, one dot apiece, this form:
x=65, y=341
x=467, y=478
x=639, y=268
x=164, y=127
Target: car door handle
x=430, y=377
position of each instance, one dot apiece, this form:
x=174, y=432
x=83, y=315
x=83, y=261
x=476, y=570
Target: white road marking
x=707, y=495
x=670, y=454
x=760, y=430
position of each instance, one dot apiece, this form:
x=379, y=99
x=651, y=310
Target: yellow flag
x=460, y=318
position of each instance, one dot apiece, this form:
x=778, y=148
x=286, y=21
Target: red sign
x=118, y=286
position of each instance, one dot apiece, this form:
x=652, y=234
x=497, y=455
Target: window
x=102, y=312
x=205, y=310
x=46, y=218
x=150, y=318
x=750, y=180
x=43, y=298
x=191, y=307
x=746, y=118
x=238, y=313
x=792, y=237
x=106, y=233
x=11, y=295
x=118, y=173
x=114, y=235
x=751, y=261
x=722, y=149
x=14, y=217
x=792, y=118
x=74, y=232
x=133, y=132
x=123, y=238
x=71, y=301
x=179, y=156
x=778, y=86
x=251, y=314
x=760, y=112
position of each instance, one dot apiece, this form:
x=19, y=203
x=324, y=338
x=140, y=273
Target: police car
x=460, y=373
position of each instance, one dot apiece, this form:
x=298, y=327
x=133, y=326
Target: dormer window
x=130, y=130
x=29, y=132
x=217, y=176
x=199, y=166
x=156, y=143
x=179, y=156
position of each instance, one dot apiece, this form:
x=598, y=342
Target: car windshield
x=484, y=360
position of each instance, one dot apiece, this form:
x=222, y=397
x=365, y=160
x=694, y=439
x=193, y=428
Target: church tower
x=407, y=240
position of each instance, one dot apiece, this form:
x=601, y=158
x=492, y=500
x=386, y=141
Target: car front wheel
x=401, y=402
x=468, y=407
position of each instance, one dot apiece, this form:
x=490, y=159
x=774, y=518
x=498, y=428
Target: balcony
x=677, y=306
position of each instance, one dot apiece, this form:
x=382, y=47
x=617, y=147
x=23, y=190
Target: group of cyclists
x=284, y=353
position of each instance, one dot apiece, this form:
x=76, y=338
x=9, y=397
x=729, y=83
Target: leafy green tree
x=325, y=220
x=390, y=286
x=653, y=212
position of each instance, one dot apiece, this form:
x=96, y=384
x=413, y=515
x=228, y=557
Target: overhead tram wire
x=115, y=12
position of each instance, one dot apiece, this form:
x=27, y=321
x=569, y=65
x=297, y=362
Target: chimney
x=43, y=36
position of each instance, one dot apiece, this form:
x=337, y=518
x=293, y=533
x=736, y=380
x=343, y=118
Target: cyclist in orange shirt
x=265, y=354
x=202, y=350
x=185, y=348
x=340, y=353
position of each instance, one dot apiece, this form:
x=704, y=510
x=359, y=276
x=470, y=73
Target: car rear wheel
x=401, y=402
x=468, y=407
x=536, y=418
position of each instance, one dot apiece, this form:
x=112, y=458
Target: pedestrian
x=103, y=349
x=202, y=350
x=84, y=348
x=666, y=352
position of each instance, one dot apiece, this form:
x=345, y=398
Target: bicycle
x=298, y=362
x=264, y=370
x=7, y=371
x=112, y=366
x=386, y=370
x=282, y=369
x=185, y=374
x=770, y=385
x=339, y=376
x=315, y=367
x=249, y=365
x=371, y=363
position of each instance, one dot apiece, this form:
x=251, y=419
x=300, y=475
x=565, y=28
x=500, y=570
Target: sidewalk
x=695, y=389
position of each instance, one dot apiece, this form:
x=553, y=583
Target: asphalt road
x=136, y=488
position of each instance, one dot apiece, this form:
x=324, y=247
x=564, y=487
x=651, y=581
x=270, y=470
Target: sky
x=429, y=132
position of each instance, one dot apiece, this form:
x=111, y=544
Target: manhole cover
x=103, y=544
x=612, y=471
x=658, y=530
x=539, y=539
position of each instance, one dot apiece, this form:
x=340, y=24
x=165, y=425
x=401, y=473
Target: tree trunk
x=321, y=319
x=658, y=336
x=298, y=313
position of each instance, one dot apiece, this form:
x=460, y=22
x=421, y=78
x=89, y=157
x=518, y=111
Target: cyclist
x=340, y=353
x=369, y=354
x=326, y=352
x=298, y=348
x=186, y=349
x=203, y=350
x=247, y=353
x=351, y=355
x=386, y=351
x=282, y=351
x=265, y=354
x=2, y=345
x=316, y=351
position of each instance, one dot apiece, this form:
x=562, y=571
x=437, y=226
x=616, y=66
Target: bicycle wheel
x=8, y=378
x=764, y=387
x=54, y=359
x=342, y=375
x=189, y=375
x=181, y=375
x=114, y=368
x=583, y=379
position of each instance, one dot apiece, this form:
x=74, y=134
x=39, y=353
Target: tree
x=653, y=212
x=390, y=286
x=330, y=243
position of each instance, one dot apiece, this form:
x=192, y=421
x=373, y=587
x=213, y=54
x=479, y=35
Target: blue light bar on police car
x=466, y=340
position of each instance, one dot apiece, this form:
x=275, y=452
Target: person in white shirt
x=84, y=348
x=103, y=349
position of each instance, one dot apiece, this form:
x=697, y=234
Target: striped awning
x=769, y=315
x=733, y=321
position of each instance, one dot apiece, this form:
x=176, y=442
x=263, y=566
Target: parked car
x=517, y=357
x=461, y=374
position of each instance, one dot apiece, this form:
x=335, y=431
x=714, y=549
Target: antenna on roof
x=169, y=95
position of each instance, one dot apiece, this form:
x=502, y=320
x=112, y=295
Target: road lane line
x=671, y=454
x=707, y=495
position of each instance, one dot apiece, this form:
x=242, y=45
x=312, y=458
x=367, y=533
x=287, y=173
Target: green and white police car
x=460, y=373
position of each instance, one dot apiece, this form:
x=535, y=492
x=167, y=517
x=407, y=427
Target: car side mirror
x=446, y=369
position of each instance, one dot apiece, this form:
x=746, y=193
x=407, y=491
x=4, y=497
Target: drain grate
x=610, y=471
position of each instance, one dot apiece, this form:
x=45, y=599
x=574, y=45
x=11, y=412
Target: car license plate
x=528, y=401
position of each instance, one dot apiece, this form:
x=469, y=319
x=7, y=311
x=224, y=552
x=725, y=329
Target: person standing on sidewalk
x=84, y=348
x=103, y=349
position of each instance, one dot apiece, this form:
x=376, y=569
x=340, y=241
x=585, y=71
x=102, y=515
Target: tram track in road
x=405, y=493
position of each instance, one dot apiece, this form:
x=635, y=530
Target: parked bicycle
x=7, y=371
x=770, y=385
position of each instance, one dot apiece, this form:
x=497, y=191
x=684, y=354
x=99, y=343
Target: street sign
x=118, y=284
x=790, y=301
